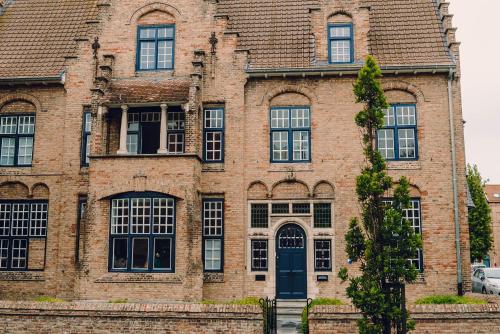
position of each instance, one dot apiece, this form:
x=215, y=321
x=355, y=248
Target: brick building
x=207, y=149
x=493, y=197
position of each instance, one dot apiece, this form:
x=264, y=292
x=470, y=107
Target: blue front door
x=291, y=272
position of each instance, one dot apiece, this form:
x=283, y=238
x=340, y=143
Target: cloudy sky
x=479, y=32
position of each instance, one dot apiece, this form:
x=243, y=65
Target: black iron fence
x=270, y=315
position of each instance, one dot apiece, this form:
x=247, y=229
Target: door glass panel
x=291, y=237
x=140, y=253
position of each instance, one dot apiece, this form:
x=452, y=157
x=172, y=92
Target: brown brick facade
x=227, y=78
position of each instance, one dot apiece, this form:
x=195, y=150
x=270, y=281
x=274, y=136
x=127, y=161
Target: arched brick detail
x=20, y=97
x=283, y=89
x=342, y=12
x=405, y=86
x=155, y=6
x=141, y=185
x=415, y=190
x=287, y=189
x=14, y=190
x=257, y=190
x=324, y=189
x=40, y=190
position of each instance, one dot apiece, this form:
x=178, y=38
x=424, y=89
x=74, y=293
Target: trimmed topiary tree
x=381, y=240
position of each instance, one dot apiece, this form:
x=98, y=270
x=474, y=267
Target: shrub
x=450, y=299
x=118, y=301
x=318, y=301
x=48, y=299
x=244, y=301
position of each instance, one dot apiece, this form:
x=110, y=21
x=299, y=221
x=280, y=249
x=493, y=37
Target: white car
x=486, y=280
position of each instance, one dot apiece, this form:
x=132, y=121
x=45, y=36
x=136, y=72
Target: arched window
x=142, y=232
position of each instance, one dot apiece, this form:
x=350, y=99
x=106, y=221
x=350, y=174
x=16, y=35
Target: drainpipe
x=455, y=185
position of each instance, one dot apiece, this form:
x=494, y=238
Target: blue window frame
x=142, y=233
x=340, y=43
x=322, y=255
x=20, y=223
x=213, y=235
x=86, y=131
x=259, y=253
x=413, y=214
x=16, y=140
x=213, y=135
x=290, y=134
x=155, y=47
x=397, y=140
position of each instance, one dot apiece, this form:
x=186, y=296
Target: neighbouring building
x=201, y=149
x=493, y=196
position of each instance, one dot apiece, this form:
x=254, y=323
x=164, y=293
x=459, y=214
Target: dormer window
x=155, y=47
x=340, y=43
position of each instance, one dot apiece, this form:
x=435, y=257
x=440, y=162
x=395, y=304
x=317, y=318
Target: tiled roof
x=147, y=90
x=493, y=193
x=36, y=35
x=278, y=33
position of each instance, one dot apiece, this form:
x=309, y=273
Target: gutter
x=456, y=214
x=350, y=69
x=28, y=81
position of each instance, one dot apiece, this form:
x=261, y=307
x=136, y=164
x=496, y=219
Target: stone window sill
x=139, y=278
x=404, y=165
x=22, y=276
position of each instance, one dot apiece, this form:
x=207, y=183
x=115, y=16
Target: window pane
x=300, y=118
x=165, y=54
x=163, y=216
x=120, y=254
x=175, y=120
x=26, y=125
x=412, y=214
x=389, y=119
x=212, y=218
x=8, y=125
x=301, y=207
x=140, y=215
x=322, y=215
x=119, y=216
x=340, y=32
x=4, y=253
x=38, y=223
x=19, y=252
x=406, y=143
x=213, y=118
x=4, y=219
x=259, y=215
x=166, y=32
x=322, y=253
x=20, y=219
x=340, y=51
x=87, y=148
x=133, y=121
x=147, y=33
x=259, y=254
x=162, y=255
x=300, y=145
x=132, y=144
x=140, y=251
x=88, y=122
x=406, y=115
x=279, y=118
x=385, y=143
x=25, y=151
x=213, y=146
x=280, y=208
x=176, y=143
x=7, y=151
x=147, y=55
x=213, y=254
x=280, y=146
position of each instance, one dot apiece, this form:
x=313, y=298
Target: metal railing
x=269, y=312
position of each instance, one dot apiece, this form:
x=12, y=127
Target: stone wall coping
x=456, y=311
x=143, y=310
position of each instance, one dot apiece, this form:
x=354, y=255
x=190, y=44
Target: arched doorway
x=291, y=266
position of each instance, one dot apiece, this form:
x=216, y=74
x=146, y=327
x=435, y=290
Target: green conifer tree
x=381, y=240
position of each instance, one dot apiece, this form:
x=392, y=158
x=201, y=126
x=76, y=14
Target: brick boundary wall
x=86, y=318
x=430, y=319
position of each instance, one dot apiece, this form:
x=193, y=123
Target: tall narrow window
x=176, y=120
x=213, y=135
x=259, y=255
x=322, y=215
x=87, y=127
x=155, y=49
x=213, y=234
x=80, y=221
x=16, y=140
x=397, y=140
x=259, y=215
x=290, y=134
x=142, y=234
x=322, y=255
x=21, y=223
x=340, y=42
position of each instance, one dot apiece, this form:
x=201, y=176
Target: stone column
x=163, y=129
x=123, y=131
